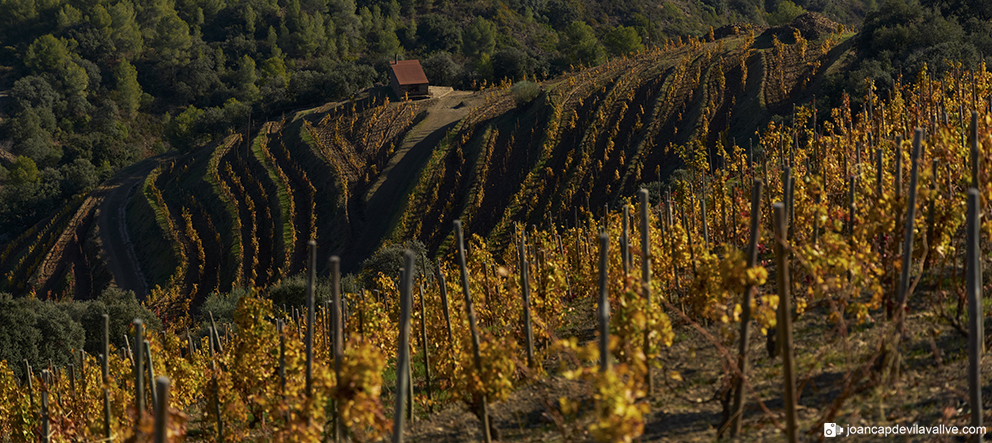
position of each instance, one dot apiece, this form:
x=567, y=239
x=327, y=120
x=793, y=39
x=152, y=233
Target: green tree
x=80, y=175
x=382, y=42
x=785, y=13
x=128, y=89
x=122, y=307
x=68, y=17
x=438, y=33
x=274, y=70
x=125, y=32
x=36, y=331
x=172, y=40
x=622, y=40
x=35, y=92
x=181, y=130
x=441, y=69
x=46, y=54
x=510, y=63
x=32, y=136
x=580, y=45
x=245, y=79
x=99, y=17
x=389, y=259
x=479, y=37
x=24, y=170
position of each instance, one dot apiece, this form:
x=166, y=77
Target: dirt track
x=114, y=239
x=388, y=195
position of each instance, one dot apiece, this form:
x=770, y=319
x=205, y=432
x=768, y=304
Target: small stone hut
x=407, y=79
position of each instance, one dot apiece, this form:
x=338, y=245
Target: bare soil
x=838, y=372
x=116, y=245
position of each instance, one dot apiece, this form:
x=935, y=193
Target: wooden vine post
x=752, y=260
x=311, y=276
x=45, y=431
x=408, y=371
x=281, y=329
x=785, y=320
x=625, y=241
x=72, y=380
x=215, y=336
x=161, y=409
x=975, y=316
x=908, y=238
x=216, y=387
x=646, y=281
x=337, y=339
x=444, y=302
x=525, y=290
x=139, y=374
x=483, y=406
x=975, y=159
x=604, y=305
x=403, y=359
x=423, y=339
x=104, y=360
x=147, y=347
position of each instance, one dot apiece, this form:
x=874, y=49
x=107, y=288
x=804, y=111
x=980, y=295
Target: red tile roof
x=408, y=72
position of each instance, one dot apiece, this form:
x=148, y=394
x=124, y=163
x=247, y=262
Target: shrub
x=389, y=259
x=525, y=92
x=36, y=331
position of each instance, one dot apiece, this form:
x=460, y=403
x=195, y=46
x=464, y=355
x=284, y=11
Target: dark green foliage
x=580, y=45
x=222, y=306
x=79, y=175
x=123, y=308
x=442, y=70
x=37, y=331
x=525, y=92
x=655, y=192
x=479, y=38
x=512, y=63
x=438, y=33
x=388, y=260
x=904, y=36
x=293, y=292
x=784, y=13
x=561, y=13
x=35, y=92
x=622, y=40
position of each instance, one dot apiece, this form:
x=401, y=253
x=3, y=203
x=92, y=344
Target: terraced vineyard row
x=25, y=254
x=597, y=134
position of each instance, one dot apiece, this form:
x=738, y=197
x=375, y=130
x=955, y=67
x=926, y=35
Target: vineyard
x=863, y=231
x=358, y=175
x=830, y=271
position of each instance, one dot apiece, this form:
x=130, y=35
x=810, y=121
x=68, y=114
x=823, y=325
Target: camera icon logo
x=832, y=430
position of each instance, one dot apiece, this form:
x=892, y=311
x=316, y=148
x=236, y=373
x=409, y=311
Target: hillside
x=371, y=171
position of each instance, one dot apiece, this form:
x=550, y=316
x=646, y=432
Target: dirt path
x=388, y=195
x=114, y=238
